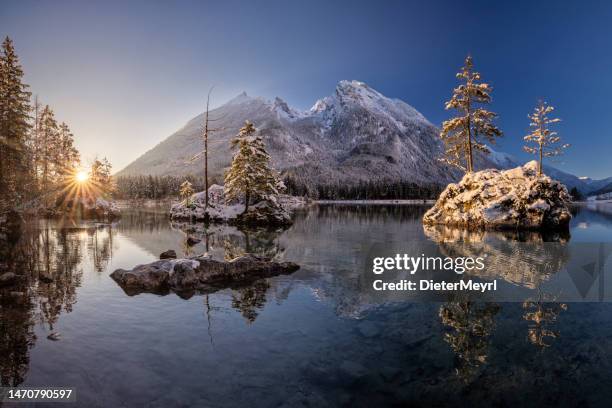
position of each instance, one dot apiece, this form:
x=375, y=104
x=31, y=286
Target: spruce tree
x=545, y=141
x=186, y=191
x=101, y=177
x=464, y=133
x=14, y=127
x=250, y=175
x=49, y=149
x=68, y=157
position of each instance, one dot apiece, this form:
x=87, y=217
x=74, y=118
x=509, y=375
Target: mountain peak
x=240, y=98
x=283, y=109
x=356, y=90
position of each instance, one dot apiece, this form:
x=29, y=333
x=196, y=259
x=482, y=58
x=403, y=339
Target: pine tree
x=186, y=191
x=34, y=142
x=545, y=140
x=101, y=176
x=68, y=156
x=250, y=174
x=463, y=134
x=49, y=149
x=14, y=127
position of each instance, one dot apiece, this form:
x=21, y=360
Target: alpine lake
x=318, y=337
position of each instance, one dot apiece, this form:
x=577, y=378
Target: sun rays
x=81, y=176
x=80, y=189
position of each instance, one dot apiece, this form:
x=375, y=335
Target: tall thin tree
x=463, y=134
x=14, y=126
x=206, y=131
x=546, y=142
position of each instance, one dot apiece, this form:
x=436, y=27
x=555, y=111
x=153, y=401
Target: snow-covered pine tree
x=545, y=141
x=14, y=126
x=464, y=133
x=250, y=175
x=186, y=191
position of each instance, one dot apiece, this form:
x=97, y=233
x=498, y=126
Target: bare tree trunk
x=470, y=163
x=206, y=152
x=247, y=198
x=541, y=150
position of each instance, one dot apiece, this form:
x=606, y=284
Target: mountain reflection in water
x=316, y=337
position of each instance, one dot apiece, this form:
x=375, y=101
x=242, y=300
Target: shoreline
x=376, y=202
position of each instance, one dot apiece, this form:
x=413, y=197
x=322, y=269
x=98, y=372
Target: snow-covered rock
x=199, y=274
x=509, y=199
x=100, y=208
x=263, y=213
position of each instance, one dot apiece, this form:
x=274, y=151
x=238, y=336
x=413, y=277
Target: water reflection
x=542, y=313
x=329, y=322
x=470, y=326
x=523, y=258
x=48, y=259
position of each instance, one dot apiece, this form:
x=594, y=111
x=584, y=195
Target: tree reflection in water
x=250, y=300
x=542, y=314
x=48, y=258
x=227, y=243
x=471, y=324
x=522, y=258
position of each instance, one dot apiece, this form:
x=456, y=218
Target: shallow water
x=315, y=338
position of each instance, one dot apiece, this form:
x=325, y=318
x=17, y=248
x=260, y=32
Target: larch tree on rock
x=250, y=175
x=473, y=125
x=186, y=191
x=542, y=141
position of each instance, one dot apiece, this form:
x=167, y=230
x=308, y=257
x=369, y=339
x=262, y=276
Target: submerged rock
x=264, y=213
x=54, y=336
x=45, y=277
x=8, y=278
x=191, y=241
x=508, y=199
x=169, y=254
x=198, y=274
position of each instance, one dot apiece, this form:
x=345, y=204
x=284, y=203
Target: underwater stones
x=169, y=254
x=8, y=278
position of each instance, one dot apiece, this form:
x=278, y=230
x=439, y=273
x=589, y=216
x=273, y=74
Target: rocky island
x=200, y=273
x=272, y=213
x=518, y=198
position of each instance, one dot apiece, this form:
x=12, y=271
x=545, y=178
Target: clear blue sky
x=125, y=75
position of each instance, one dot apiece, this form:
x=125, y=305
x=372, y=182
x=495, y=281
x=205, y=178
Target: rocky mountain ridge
x=354, y=135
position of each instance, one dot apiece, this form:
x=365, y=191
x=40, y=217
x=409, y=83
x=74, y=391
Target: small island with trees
x=519, y=198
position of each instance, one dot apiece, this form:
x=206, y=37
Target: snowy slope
x=356, y=134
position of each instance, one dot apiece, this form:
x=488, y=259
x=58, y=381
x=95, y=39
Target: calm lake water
x=315, y=338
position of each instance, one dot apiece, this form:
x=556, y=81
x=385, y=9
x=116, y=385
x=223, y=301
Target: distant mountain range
x=357, y=134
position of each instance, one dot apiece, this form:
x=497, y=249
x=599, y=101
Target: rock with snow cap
x=274, y=212
x=200, y=273
x=517, y=198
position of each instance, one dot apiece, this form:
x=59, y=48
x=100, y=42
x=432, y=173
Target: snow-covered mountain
x=356, y=134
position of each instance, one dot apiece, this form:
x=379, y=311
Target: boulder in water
x=169, y=254
x=101, y=208
x=8, y=278
x=198, y=273
x=518, y=198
